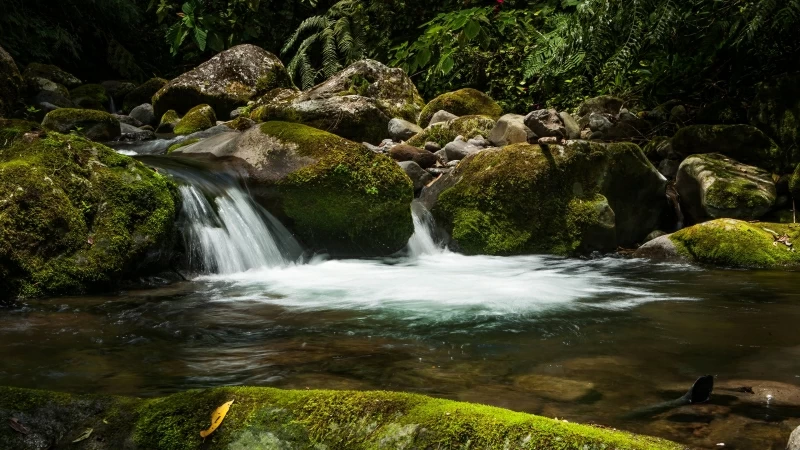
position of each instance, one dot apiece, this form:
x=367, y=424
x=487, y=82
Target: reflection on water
x=584, y=340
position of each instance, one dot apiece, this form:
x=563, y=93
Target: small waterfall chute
x=422, y=242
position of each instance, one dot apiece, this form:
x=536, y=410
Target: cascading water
x=422, y=242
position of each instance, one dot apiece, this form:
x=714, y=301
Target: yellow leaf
x=83, y=436
x=216, y=418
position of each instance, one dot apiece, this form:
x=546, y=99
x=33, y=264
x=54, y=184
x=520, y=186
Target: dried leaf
x=15, y=424
x=216, y=418
x=83, y=436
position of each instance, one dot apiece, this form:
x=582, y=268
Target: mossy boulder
x=11, y=84
x=463, y=102
x=199, y=118
x=169, y=120
x=335, y=195
x=143, y=94
x=744, y=143
x=52, y=73
x=267, y=418
x=13, y=129
x=443, y=133
x=714, y=186
x=729, y=243
x=90, y=96
x=228, y=80
x=555, y=200
x=94, y=125
x=75, y=217
x=776, y=111
x=357, y=103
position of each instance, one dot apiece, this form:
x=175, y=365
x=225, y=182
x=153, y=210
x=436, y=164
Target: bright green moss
x=442, y=134
x=168, y=122
x=351, y=200
x=75, y=216
x=13, y=129
x=199, y=118
x=181, y=144
x=464, y=102
x=90, y=96
x=265, y=418
x=734, y=243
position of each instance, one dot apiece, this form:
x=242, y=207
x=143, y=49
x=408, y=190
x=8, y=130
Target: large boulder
x=510, y=129
x=78, y=217
x=199, y=118
x=228, y=80
x=555, y=199
x=463, y=102
x=744, y=143
x=357, y=103
x=52, y=73
x=401, y=129
x=714, y=186
x=143, y=94
x=144, y=114
x=443, y=133
x=729, y=243
x=11, y=83
x=776, y=111
x=94, y=125
x=335, y=195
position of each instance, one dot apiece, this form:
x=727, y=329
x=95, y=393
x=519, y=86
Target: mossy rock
x=90, y=96
x=446, y=132
x=739, y=244
x=463, y=102
x=168, y=122
x=11, y=84
x=744, y=143
x=267, y=418
x=143, y=94
x=337, y=196
x=228, y=80
x=78, y=217
x=13, y=129
x=52, y=73
x=95, y=125
x=199, y=118
x=523, y=199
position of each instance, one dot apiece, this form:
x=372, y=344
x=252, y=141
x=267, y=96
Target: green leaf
x=200, y=36
x=215, y=42
x=447, y=64
x=188, y=8
x=423, y=58
x=472, y=29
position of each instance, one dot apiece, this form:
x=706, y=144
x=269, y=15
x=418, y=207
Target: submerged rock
x=463, y=102
x=94, y=125
x=78, y=217
x=337, y=196
x=11, y=83
x=261, y=418
x=715, y=186
x=228, y=80
x=356, y=103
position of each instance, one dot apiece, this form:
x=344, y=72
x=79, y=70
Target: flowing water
x=582, y=340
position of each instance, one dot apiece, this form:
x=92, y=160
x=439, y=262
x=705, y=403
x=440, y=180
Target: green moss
x=90, y=96
x=351, y=200
x=95, y=125
x=168, y=122
x=241, y=123
x=278, y=77
x=443, y=134
x=734, y=243
x=13, y=129
x=76, y=216
x=143, y=93
x=463, y=102
x=199, y=118
x=277, y=419
x=52, y=73
x=181, y=144
x=651, y=150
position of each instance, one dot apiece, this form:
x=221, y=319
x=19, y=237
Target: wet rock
x=419, y=176
x=464, y=102
x=240, y=124
x=510, y=129
x=130, y=133
x=127, y=120
x=429, y=196
x=554, y=388
x=144, y=113
x=660, y=248
x=228, y=80
x=715, y=186
x=404, y=152
x=118, y=90
x=94, y=125
x=546, y=123
x=168, y=122
x=794, y=440
x=401, y=129
x=442, y=116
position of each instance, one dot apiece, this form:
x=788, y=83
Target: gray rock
x=442, y=155
x=546, y=123
x=52, y=73
x=571, y=126
x=436, y=171
x=128, y=120
x=442, y=116
x=669, y=167
x=794, y=440
x=373, y=148
x=402, y=130
x=654, y=235
x=453, y=163
x=459, y=149
x=479, y=141
x=430, y=194
x=52, y=97
x=432, y=147
x=419, y=176
x=510, y=129
x=237, y=112
x=144, y=114
x=713, y=186
x=211, y=132
x=605, y=104
x=599, y=123
x=661, y=249
x=130, y=133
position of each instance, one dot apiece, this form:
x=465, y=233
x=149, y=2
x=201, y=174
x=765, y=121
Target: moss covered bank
x=266, y=418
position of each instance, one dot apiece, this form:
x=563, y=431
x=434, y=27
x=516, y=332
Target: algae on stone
x=445, y=132
x=283, y=419
x=199, y=118
x=463, y=102
x=95, y=125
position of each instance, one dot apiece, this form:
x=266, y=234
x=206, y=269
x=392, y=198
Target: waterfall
x=112, y=108
x=422, y=241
